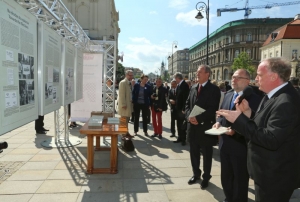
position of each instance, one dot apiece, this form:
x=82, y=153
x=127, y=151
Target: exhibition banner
x=18, y=63
x=78, y=75
x=67, y=72
x=49, y=69
x=92, y=88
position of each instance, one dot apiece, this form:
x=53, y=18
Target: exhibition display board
x=78, y=74
x=49, y=69
x=92, y=88
x=67, y=72
x=18, y=63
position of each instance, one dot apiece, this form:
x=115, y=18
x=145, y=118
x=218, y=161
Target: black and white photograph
x=48, y=90
x=26, y=90
x=56, y=75
x=26, y=68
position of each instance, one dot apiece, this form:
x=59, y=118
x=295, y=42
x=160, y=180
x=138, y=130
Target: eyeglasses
x=238, y=78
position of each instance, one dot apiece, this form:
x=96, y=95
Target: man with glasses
x=125, y=97
x=233, y=147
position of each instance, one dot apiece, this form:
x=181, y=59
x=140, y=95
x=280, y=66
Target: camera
x=3, y=145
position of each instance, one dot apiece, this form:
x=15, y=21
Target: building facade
x=285, y=42
x=228, y=41
x=179, y=63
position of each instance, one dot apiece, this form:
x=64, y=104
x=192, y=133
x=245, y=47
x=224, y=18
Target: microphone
x=246, y=92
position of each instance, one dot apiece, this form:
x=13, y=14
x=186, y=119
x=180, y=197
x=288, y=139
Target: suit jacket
x=274, y=146
x=161, y=102
x=147, y=94
x=182, y=93
x=235, y=145
x=124, y=98
x=208, y=99
x=172, y=96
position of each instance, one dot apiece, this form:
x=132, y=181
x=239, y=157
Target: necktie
x=233, y=99
x=199, y=90
x=264, y=100
x=174, y=92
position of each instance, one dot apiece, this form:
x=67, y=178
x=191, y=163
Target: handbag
x=127, y=144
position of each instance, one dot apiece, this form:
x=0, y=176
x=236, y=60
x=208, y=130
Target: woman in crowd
x=141, y=99
x=159, y=105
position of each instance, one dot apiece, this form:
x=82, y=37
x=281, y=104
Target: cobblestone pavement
x=158, y=170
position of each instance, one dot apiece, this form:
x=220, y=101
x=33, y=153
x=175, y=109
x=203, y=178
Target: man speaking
x=273, y=133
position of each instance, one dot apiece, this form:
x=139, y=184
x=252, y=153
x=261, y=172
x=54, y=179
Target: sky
x=149, y=27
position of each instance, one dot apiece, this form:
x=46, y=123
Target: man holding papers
x=206, y=96
x=233, y=147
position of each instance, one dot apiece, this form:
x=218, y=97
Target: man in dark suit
x=295, y=82
x=233, y=147
x=172, y=98
x=207, y=96
x=273, y=133
x=182, y=92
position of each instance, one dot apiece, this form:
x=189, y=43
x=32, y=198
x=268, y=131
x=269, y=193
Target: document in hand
x=215, y=131
x=196, y=111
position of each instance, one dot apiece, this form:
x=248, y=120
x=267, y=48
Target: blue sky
x=149, y=27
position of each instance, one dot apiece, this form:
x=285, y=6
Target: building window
x=237, y=38
x=249, y=37
x=265, y=56
x=271, y=55
x=249, y=52
x=236, y=53
x=226, y=75
x=277, y=53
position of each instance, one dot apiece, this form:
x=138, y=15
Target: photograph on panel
x=56, y=75
x=26, y=90
x=26, y=68
x=48, y=90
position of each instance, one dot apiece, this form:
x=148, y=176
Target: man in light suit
x=233, y=146
x=125, y=97
x=207, y=96
x=273, y=133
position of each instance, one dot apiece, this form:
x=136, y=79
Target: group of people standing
x=262, y=141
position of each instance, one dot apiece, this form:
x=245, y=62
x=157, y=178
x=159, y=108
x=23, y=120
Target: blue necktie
x=233, y=99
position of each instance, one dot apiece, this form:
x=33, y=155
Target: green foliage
x=165, y=76
x=243, y=61
x=120, y=72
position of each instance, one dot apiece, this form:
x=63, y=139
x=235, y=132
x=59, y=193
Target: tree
x=243, y=61
x=120, y=72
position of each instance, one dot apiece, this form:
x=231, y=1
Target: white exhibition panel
x=67, y=72
x=49, y=69
x=92, y=88
x=78, y=74
x=18, y=63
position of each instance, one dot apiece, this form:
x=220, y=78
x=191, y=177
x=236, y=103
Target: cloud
x=178, y=4
x=189, y=18
x=142, y=53
x=153, y=13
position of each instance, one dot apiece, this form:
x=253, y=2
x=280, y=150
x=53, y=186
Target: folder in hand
x=196, y=111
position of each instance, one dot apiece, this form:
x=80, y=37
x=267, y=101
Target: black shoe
x=173, y=135
x=43, y=129
x=177, y=141
x=204, y=184
x=183, y=143
x=154, y=135
x=159, y=136
x=193, y=180
x=225, y=200
x=40, y=132
x=146, y=134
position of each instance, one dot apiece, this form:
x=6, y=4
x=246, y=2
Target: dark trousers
x=207, y=152
x=137, y=109
x=39, y=123
x=148, y=115
x=173, y=118
x=234, y=177
x=181, y=131
x=132, y=116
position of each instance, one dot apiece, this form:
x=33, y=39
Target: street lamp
x=201, y=6
x=174, y=45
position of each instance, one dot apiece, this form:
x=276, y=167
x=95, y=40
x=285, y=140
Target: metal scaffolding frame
x=55, y=14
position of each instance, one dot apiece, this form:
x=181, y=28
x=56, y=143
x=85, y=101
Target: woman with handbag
x=159, y=104
x=141, y=101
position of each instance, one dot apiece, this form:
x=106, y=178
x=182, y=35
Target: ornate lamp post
x=174, y=45
x=201, y=6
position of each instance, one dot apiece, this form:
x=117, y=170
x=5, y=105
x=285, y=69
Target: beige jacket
x=125, y=98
